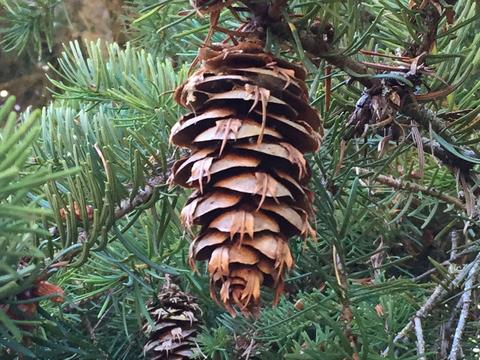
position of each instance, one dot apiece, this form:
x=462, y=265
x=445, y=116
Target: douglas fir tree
x=326, y=157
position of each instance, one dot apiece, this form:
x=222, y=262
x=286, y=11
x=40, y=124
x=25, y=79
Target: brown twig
x=328, y=87
x=125, y=207
x=400, y=184
x=313, y=40
x=432, y=17
x=347, y=314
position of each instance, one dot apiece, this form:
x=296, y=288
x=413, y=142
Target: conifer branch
x=440, y=292
x=347, y=314
x=466, y=301
x=420, y=339
x=409, y=186
x=447, y=158
x=315, y=41
x=451, y=261
x=126, y=206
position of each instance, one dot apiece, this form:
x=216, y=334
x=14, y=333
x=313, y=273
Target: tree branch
x=347, y=314
x=126, y=206
x=315, y=41
x=400, y=184
x=420, y=339
x=438, y=294
x=446, y=331
x=451, y=261
x=446, y=157
x=466, y=301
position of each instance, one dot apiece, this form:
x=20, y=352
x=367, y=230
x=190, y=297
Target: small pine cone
x=175, y=315
x=209, y=6
x=44, y=288
x=249, y=126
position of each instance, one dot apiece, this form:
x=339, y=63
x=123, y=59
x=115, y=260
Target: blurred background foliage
x=84, y=199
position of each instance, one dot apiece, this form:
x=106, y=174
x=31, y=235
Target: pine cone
x=175, y=316
x=27, y=307
x=249, y=126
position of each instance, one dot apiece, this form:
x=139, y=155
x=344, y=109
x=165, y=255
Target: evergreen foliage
x=85, y=202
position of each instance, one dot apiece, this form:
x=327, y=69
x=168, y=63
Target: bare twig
x=128, y=205
x=454, y=241
x=469, y=250
x=413, y=187
x=466, y=300
x=446, y=331
x=143, y=195
x=438, y=294
x=420, y=339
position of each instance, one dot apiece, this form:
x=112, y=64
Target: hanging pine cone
x=175, y=316
x=249, y=126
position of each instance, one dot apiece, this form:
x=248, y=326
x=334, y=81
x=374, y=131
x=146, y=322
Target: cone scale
x=248, y=129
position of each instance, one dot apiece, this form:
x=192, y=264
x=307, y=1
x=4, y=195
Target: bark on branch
x=400, y=184
x=126, y=206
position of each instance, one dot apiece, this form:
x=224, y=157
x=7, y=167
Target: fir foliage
x=27, y=24
x=84, y=197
